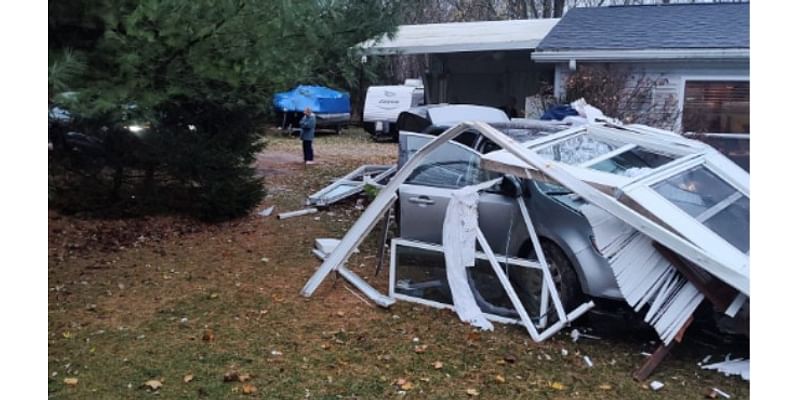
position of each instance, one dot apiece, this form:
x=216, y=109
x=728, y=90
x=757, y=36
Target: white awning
x=454, y=37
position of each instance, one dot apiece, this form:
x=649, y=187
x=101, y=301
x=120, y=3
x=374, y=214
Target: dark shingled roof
x=673, y=26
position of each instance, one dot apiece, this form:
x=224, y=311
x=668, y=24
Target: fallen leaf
x=510, y=358
x=188, y=378
x=153, y=384
x=244, y=377
x=208, y=335
x=605, y=386
x=71, y=381
x=473, y=336
x=213, y=296
x=230, y=376
x=420, y=349
x=557, y=385
x=472, y=392
x=407, y=386
x=248, y=389
x=438, y=365
x=499, y=379
x=340, y=313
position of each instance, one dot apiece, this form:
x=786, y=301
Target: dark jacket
x=307, y=125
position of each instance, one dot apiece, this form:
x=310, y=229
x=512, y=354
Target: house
x=699, y=53
x=484, y=63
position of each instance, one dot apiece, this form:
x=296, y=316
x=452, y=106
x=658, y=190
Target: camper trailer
x=384, y=103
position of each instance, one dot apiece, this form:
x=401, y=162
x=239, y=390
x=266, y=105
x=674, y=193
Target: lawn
x=179, y=305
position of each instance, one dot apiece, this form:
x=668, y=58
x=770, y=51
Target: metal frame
x=358, y=178
x=488, y=255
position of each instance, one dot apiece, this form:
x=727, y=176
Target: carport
x=485, y=63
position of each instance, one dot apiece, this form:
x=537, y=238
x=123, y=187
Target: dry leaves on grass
x=557, y=385
x=499, y=379
x=248, y=388
x=472, y=392
x=70, y=381
x=188, y=378
x=208, y=335
x=153, y=384
x=420, y=349
x=438, y=365
x=404, y=384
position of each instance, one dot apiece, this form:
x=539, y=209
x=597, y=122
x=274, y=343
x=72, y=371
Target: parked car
x=577, y=267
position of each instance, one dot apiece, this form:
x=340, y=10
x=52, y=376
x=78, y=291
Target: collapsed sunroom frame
x=631, y=199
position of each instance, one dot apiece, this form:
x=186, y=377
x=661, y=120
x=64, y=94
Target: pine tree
x=198, y=75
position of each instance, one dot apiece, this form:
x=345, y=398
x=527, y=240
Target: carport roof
x=463, y=37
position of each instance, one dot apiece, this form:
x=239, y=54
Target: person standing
x=307, y=125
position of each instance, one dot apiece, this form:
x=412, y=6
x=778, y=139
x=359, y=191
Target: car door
x=426, y=193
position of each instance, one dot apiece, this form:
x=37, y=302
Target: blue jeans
x=308, y=151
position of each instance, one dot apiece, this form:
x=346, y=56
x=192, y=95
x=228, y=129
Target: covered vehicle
x=331, y=107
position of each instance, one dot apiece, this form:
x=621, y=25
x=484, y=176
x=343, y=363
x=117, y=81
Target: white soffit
x=523, y=34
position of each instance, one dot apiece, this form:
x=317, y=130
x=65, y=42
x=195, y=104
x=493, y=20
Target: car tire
x=528, y=281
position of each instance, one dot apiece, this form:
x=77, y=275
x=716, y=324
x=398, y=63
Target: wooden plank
x=655, y=359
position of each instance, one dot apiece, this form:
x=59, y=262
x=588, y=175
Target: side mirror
x=511, y=186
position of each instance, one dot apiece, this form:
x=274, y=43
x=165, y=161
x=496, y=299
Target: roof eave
x=646, y=54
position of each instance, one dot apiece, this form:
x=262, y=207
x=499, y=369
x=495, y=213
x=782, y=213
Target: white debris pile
x=738, y=366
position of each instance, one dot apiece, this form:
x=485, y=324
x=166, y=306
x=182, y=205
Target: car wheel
x=528, y=281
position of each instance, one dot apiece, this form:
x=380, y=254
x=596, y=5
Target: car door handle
x=422, y=200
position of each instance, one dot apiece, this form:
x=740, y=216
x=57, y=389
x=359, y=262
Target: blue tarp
x=322, y=100
x=558, y=113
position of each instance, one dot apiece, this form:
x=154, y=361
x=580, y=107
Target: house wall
x=485, y=78
x=672, y=76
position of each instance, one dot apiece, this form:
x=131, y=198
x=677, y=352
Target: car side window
x=450, y=166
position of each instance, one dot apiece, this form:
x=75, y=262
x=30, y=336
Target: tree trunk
x=547, y=9
x=558, y=8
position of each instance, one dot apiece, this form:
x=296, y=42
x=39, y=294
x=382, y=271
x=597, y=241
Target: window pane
x=713, y=202
x=718, y=107
x=733, y=224
x=449, y=166
x=576, y=150
x=695, y=190
x=636, y=158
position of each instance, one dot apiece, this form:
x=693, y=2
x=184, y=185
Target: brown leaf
x=208, y=335
x=510, y=358
x=230, y=376
x=248, y=388
x=407, y=386
x=499, y=379
x=605, y=386
x=153, y=384
x=438, y=365
x=244, y=377
x=473, y=336
x=472, y=392
x=420, y=349
x=557, y=385
x=71, y=381
x=188, y=378
x=340, y=313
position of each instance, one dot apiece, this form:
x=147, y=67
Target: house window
x=716, y=107
x=717, y=111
